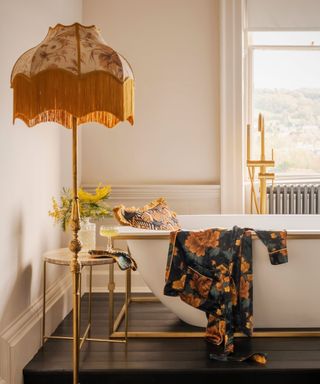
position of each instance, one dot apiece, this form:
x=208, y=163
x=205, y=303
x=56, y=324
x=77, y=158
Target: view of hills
x=292, y=125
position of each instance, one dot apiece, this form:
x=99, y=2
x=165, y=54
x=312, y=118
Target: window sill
x=292, y=179
x=297, y=179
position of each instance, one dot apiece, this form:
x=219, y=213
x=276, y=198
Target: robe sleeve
x=276, y=243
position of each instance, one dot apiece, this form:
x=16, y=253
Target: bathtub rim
x=130, y=233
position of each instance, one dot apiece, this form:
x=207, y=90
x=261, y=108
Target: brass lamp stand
x=262, y=165
x=75, y=247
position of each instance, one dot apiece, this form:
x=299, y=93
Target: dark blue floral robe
x=212, y=271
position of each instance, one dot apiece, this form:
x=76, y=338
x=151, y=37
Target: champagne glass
x=108, y=232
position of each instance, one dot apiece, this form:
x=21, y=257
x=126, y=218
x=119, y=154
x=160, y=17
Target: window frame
x=282, y=178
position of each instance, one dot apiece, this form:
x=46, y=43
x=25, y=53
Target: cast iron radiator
x=293, y=199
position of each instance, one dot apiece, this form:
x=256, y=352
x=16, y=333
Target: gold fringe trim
x=58, y=95
x=118, y=214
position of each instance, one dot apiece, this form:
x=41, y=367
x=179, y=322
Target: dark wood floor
x=153, y=361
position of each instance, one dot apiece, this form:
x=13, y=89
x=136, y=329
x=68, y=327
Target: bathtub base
x=277, y=289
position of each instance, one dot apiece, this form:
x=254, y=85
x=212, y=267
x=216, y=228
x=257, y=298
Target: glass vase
x=87, y=235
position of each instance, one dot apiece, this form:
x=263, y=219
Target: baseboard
x=21, y=340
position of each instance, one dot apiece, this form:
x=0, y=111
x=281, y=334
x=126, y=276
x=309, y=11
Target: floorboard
x=155, y=361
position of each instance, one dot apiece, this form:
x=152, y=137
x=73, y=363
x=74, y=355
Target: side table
x=62, y=257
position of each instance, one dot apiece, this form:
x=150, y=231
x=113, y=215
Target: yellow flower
x=91, y=205
x=101, y=193
x=55, y=213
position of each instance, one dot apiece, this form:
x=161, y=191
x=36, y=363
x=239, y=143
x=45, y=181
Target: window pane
x=286, y=90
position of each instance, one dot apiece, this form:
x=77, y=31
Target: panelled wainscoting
x=184, y=199
x=22, y=338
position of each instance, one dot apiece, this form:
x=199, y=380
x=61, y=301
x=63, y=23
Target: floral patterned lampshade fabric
x=72, y=72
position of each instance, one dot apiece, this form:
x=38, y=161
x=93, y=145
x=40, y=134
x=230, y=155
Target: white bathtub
x=285, y=295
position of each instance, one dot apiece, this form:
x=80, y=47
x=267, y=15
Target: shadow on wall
x=16, y=303
x=23, y=277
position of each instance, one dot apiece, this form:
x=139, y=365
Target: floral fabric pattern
x=156, y=215
x=212, y=271
x=75, y=48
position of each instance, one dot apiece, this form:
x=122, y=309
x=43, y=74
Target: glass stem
x=109, y=243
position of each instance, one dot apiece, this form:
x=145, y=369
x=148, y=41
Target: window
x=284, y=80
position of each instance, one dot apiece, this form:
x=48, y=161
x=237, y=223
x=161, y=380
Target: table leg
x=90, y=294
x=111, y=286
x=75, y=319
x=129, y=283
x=127, y=298
x=44, y=301
x=79, y=299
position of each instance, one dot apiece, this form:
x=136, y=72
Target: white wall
x=34, y=164
x=173, y=47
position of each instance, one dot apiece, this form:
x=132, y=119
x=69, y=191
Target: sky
x=289, y=69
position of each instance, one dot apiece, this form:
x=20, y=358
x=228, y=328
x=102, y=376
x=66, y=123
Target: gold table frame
x=86, y=261
x=308, y=332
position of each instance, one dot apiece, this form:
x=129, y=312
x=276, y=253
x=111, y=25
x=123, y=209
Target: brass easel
x=263, y=175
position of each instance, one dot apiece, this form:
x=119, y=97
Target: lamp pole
x=75, y=248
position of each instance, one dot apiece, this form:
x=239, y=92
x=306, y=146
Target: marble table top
x=63, y=256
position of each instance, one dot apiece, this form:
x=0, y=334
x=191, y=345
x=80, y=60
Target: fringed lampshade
x=73, y=73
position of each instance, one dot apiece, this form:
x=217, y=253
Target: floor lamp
x=72, y=77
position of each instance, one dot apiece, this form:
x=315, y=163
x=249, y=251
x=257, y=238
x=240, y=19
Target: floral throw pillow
x=156, y=215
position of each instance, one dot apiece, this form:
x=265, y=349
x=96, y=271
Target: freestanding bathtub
x=285, y=295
